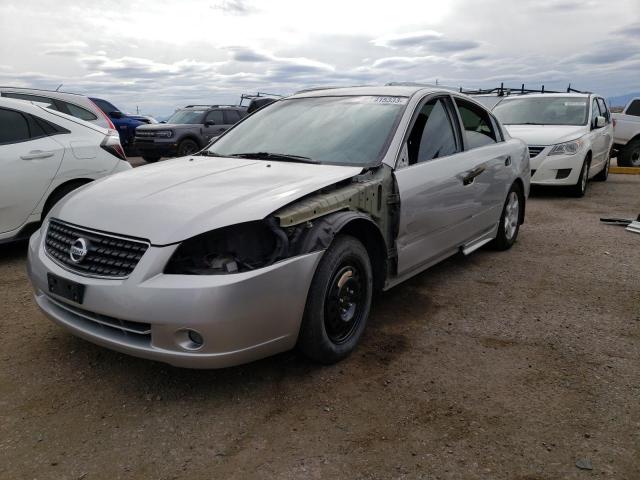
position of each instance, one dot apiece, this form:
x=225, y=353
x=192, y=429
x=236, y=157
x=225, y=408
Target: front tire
x=150, y=159
x=604, y=173
x=629, y=156
x=187, y=147
x=580, y=188
x=338, y=303
x=510, y=219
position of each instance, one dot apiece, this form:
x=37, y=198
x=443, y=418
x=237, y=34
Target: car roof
x=387, y=90
x=546, y=95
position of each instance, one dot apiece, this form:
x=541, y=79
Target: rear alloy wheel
x=629, y=156
x=580, y=188
x=187, y=147
x=338, y=303
x=510, y=219
x=604, y=173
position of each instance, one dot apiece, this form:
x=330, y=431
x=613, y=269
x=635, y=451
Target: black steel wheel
x=187, y=147
x=338, y=302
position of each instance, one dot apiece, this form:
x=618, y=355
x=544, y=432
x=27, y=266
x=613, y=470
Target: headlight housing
x=233, y=249
x=164, y=133
x=567, y=148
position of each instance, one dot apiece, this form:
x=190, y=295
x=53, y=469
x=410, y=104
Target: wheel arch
x=69, y=184
x=357, y=225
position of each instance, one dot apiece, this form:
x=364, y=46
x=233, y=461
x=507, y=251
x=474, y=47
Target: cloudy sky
x=160, y=54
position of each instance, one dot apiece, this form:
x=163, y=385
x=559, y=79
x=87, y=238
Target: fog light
x=195, y=337
x=563, y=173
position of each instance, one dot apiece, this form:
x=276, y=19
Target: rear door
x=29, y=160
x=437, y=187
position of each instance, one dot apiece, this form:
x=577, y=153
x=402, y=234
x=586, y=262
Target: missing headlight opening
x=233, y=249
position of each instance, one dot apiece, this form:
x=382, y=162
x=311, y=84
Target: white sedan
x=44, y=155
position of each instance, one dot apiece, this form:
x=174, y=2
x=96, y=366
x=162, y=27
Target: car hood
x=177, y=199
x=168, y=126
x=546, y=134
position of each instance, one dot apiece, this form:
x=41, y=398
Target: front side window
x=13, y=127
x=432, y=135
x=187, y=117
x=543, y=111
x=214, y=116
x=477, y=124
x=595, y=112
x=604, y=110
x=231, y=116
x=348, y=130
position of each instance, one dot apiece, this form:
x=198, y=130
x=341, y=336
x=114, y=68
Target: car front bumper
x=156, y=147
x=546, y=170
x=241, y=317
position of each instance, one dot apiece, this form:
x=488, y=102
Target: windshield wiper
x=207, y=153
x=282, y=157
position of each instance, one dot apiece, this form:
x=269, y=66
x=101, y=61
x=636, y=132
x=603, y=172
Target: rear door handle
x=470, y=176
x=36, y=155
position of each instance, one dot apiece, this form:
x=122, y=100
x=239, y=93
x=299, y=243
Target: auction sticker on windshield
x=391, y=100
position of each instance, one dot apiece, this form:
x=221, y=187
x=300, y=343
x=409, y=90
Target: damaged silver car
x=278, y=234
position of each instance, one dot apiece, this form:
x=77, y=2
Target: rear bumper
x=241, y=317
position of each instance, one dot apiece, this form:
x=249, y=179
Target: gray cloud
x=234, y=7
x=606, y=54
x=632, y=30
x=426, y=40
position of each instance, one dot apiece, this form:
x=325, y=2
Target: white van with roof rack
x=569, y=134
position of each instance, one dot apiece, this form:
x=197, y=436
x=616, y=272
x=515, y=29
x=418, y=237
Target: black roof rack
x=502, y=91
x=251, y=96
x=211, y=106
x=43, y=90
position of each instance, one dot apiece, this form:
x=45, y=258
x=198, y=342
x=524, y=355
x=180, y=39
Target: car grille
x=145, y=134
x=534, y=150
x=107, y=255
x=132, y=332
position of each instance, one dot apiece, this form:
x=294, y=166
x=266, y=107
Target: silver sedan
x=278, y=233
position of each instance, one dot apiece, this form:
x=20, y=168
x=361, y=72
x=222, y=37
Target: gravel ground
x=512, y=365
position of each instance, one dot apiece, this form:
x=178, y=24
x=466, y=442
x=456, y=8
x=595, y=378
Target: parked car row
x=274, y=228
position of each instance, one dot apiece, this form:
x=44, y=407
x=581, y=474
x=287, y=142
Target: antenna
x=57, y=89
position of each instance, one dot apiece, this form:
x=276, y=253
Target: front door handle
x=470, y=176
x=36, y=155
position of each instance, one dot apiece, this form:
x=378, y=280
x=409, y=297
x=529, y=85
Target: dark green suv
x=187, y=131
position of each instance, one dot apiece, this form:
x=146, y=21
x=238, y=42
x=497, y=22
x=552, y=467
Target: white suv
x=44, y=155
x=569, y=136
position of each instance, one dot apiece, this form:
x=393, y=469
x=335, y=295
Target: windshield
x=542, y=111
x=187, y=116
x=331, y=130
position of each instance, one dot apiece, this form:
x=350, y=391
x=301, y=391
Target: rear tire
x=338, y=303
x=629, y=155
x=150, y=159
x=510, y=219
x=580, y=188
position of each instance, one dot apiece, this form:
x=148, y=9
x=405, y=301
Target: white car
x=44, y=155
x=627, y=134
x=73, y=104
x=569, y=136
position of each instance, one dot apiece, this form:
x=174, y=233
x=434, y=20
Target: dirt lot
x=507, y=365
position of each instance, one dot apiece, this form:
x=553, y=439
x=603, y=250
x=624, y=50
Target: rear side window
x=432, y=135
x=214, y=116
x=231, y=116
x=13, y=127
x=477, y=125
x=634, y=108
x=79, y=112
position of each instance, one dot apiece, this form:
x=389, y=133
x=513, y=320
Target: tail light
x=106, y=117
x=111, y=144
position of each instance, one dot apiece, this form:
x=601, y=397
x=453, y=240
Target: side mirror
x=163, y=121
x=116, y=114
x=600, y=121
x=209, y=123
